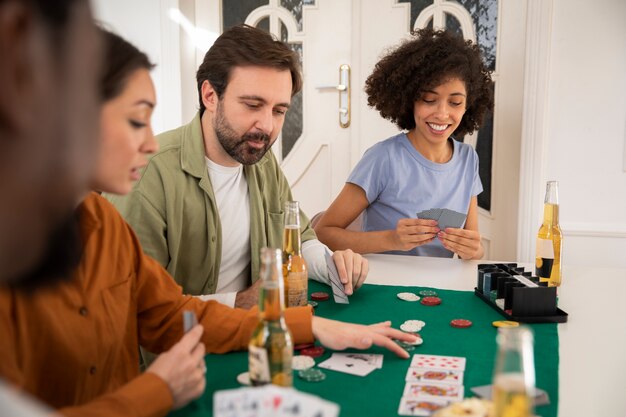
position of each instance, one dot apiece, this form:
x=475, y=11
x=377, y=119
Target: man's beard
x=62, y=255
x=237, y=146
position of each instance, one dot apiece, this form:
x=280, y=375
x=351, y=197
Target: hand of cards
x=270, y=401
x=444, y=217
x=339, y=294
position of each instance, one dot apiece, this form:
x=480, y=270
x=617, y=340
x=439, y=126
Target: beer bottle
x=294, y=266
x=514, y=373
x=271, y=348
x=549, y=244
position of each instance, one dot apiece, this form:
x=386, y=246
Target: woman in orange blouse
x=75, y=345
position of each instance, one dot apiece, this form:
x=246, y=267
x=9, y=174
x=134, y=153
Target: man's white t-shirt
x=233, y=203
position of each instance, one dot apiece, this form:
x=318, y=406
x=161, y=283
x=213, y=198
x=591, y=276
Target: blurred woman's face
x=126, y=135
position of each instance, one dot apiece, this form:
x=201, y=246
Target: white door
x=329, y=34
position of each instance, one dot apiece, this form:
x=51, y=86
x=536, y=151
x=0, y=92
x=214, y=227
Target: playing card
x=438, y=362
x=335, y=282
x=353, y=364
x=313, y=406
x=189, y=320
x=449, y=376
x=419, y=407
x=431, y=214
x=376, y=360
x=451, y=218
x=433, y=391
x=270, y=401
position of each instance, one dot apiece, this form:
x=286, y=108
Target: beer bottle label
x=297, y=289
x=259, y=365
x=545, y=258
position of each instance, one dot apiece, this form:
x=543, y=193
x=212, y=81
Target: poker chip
x=313, y=352
x=244, y=378
x=409, y=346
x=428, y=293
x=301, y=362
x=303, y=346
x=312, y=375
x=417, y=342
x=412, y=326
x=319, y=296
x=505, y=323
x=409, y=328
x=460, y=323
x=431, y=301
x=313, y=303
x=404, y=345
x=408, y=296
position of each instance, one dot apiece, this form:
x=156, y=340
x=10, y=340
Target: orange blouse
x=75, y=346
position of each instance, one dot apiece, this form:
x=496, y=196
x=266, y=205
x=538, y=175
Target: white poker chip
x=419, y=323
x=244, y=378
x=417, y=342
x=410, y=328
x=302, y=362
x=408, y=296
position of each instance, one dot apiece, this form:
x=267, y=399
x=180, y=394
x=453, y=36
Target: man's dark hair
x=120, y=60
x=422, y=63
x=244, y=46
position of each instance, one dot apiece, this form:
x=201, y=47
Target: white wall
x=585, y=117
x=586, y=129
x=146, y=24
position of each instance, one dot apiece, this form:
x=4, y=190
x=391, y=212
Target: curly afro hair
x=422, y=63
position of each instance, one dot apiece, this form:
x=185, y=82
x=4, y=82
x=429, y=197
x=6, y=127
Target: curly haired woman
x=432, y=86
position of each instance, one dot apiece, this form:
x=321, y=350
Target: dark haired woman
x=432, y=86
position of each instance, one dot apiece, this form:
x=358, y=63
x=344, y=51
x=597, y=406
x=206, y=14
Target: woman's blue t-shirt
x=399, y=183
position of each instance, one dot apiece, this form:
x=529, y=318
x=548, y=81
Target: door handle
x=343, y=88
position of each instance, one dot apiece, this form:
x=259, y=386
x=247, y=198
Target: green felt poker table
x=379, y=393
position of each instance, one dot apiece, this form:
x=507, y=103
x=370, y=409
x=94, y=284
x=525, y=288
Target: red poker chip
x=431, y=301
x=313, y=352
x=460, y=323
x=320, y=296
x=303, y=346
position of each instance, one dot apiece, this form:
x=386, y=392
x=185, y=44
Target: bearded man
x=213, y=196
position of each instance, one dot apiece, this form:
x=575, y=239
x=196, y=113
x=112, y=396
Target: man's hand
x=182, y=368
x=338, y=335
x=249, y=297
x=352, y=269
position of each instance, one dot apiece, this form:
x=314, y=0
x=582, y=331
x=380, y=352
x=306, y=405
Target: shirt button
x=83, y=311
x=92, y=370
x=212, y=238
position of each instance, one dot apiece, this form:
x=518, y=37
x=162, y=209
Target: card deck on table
x=419, y=407
x=270, y=400
x=433, y=391
x=438, y=362
x=448, y=376
x=359, y=364
x=339, y=293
